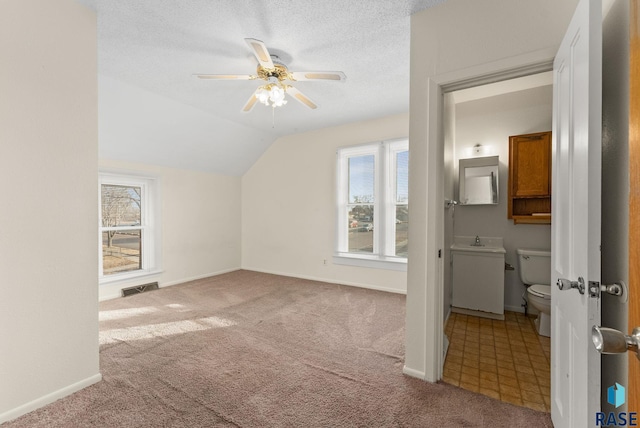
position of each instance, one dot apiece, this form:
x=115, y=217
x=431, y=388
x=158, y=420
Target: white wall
x=200, y=223
x=289, y=206
x=48, y=176
x=450, y=42
x=490, y=122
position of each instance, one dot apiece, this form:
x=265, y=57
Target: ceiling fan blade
x=225, y=76
x=261, y=52
x=301, y=76
x=250, y=103
x=300, y=97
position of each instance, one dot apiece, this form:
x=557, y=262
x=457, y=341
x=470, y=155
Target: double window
x=373, y=202
x=127, y=227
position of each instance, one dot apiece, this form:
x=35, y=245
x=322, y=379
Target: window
x=127, y=227
x=373, y=202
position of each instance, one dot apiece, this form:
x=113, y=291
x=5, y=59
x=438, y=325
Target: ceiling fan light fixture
x=272, y=94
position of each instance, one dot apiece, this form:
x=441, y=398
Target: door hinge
x=439, y=254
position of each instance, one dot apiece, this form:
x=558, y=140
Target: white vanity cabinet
x=478, y=277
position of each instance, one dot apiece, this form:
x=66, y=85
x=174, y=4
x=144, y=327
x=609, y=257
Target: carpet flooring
x=248, y=349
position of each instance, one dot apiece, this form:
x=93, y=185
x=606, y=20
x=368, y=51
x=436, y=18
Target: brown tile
x=539, y=359
x=501, y=342
x=534, y=397
x=451, y=381
x=504, y=357
x=544, y=381
x=473, y=338
x=528, y=386
x=506, y=372
x=470, y=350
x=490, y=393
x=509, y=390
x=505, y=364
x=486, y=375
x=449, y=373
x=511, y=399
x=488, y=367
x=488, y=360
x=454, y=359
x=522, y=368
x=455, y=347
x=508, y=381
x=540, y=366
x=469, y=387
x=534, y=406
x=454, y=352
x=526, y=377
x=502, y=352
x=470, y=379
x=471, y=370
x=471, y=362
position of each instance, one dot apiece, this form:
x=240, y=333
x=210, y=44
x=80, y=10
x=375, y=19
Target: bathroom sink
x=487, y=244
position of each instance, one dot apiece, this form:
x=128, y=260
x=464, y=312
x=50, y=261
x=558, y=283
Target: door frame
x=424, y=357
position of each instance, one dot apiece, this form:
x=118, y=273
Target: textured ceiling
x=157, y=45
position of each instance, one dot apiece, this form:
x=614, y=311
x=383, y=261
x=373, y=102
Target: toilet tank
x=534, y=266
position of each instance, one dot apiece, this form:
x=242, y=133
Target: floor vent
x=137, y=289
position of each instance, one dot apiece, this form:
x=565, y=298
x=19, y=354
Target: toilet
x=534, y=267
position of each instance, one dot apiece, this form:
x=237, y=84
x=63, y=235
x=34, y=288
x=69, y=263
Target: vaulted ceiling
x=153, y=110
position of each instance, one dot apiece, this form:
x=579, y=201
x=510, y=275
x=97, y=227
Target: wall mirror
x=478, y=184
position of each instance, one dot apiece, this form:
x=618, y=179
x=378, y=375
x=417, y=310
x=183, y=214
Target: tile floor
x=506, y=360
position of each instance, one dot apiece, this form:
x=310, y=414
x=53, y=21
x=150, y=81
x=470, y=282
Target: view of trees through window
x=402, y=203
x=121, y=228
x=361, y=200
x=361, y=203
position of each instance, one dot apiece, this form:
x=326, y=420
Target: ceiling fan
x=275, y=73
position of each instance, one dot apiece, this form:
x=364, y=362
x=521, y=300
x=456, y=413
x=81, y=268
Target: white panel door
x=575, y=230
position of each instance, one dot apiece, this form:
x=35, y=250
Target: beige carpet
x=247, y=349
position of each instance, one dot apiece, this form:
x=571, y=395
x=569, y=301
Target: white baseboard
x=49, y=398
x=195, y=278
x=117, y=292
x=329, y=280
x=414, y=373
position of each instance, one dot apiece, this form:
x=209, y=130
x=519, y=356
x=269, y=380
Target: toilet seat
x=540, y=290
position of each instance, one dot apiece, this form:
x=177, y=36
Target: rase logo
x=616, y=397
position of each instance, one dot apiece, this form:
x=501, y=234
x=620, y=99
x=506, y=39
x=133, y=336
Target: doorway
x=504, y=359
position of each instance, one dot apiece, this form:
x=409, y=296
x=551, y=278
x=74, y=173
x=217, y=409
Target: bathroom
x=478, y=123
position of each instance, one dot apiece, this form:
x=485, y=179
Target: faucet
x=477, y=242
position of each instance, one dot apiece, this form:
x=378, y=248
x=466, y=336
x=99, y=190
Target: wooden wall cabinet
x=529, y=195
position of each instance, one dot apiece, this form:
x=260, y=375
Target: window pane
x=121, y=251
x=120, y=205
x=402, y=177
x=361, y=229
x=361, y=179
x=402, y=229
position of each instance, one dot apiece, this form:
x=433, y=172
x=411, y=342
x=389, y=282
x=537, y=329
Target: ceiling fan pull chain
x=273, y=116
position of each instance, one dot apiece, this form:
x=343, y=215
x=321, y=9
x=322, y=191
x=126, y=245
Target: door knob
x=611, y=341
x=565, y=284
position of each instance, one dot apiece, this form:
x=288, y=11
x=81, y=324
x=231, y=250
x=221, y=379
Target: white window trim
x=385, y=155
x=150, y=224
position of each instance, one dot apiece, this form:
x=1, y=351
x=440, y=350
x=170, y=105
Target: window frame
x=149, y=221
x=384, y=206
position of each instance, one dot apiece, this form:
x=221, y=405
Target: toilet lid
x=541, y=290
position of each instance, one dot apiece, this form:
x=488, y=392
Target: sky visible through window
x=402, y=170
x=361, y=179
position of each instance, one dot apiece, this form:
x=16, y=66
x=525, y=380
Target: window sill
x=362, y=260
x=126, y=277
